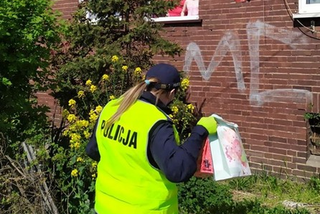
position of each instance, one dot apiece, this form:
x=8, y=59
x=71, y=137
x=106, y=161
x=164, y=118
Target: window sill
x=177, y=19
x=306, y=15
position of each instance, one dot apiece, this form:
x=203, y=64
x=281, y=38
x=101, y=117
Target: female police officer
x=135, y=143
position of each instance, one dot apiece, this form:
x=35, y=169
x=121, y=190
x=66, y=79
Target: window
x=308, y=8
x=186, y=11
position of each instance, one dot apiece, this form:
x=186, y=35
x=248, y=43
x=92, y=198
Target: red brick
x=307, y=168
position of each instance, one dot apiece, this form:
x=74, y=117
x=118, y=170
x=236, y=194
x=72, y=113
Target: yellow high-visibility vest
x=127, y=182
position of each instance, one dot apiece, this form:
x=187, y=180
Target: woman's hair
x=132, y=95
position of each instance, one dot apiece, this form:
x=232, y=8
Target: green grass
x=272, y=191
x=256, y=194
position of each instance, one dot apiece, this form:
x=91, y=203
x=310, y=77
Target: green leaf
x=6, y=81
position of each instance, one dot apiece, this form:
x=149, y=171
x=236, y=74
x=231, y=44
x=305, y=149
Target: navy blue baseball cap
x=168, y=76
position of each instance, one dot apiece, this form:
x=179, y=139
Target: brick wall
x=278, y=76
x=66, y=7
x=263, y=74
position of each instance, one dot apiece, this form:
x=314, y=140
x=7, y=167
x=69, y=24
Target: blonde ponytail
x=130, y=97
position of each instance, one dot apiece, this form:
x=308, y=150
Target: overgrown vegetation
x=121, y=28
x=29, y=30
x=260, y=193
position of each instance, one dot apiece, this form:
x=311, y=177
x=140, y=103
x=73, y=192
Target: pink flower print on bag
x=233, y=148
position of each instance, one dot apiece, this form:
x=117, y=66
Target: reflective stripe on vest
x=127, y=182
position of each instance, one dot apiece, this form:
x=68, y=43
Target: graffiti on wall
x=230, y=42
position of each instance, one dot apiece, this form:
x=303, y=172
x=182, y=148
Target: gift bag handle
x=222, y=121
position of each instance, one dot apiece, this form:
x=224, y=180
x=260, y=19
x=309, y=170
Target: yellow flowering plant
x=77, y=172
x=184, y=115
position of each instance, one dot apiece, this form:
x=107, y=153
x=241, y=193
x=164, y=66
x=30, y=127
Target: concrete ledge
x=313, y=160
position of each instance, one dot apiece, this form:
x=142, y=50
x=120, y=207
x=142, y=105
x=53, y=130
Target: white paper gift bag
x=228, y=155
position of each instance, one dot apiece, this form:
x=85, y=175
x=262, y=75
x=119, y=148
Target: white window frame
x=177, y=19
x=307, y=10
